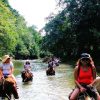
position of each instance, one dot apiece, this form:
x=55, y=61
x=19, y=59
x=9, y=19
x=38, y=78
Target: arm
x=76, y=76
x=94, y=72
x=93, y=68
x=12, y=67
x=1, y=71
x=12, y=70
x=30, y=67
x=94, y=76
x=1, y=74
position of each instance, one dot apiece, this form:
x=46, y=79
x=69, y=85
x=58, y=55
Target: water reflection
x=47, y=87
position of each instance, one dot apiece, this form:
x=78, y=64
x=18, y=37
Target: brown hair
x=91, y=62
x=91, y=65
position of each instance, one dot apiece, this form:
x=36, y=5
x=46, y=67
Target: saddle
x=28, y=74
x=9, y=79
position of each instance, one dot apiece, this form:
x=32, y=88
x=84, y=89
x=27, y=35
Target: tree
x=75, y=29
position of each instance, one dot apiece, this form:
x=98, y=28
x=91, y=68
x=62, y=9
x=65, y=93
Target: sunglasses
x=85, y=59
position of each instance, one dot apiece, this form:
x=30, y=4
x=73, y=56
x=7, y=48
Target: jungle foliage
x=16, y=38
x=75, y=29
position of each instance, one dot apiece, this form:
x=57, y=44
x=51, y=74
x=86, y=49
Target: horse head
x=50, y=71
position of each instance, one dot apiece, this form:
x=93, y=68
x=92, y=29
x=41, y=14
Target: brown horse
x=85, y=96
x=7, y=89
x=90, y=93
x=26, y=76
x=50, y=71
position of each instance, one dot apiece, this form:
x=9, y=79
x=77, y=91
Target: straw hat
x=5, y=57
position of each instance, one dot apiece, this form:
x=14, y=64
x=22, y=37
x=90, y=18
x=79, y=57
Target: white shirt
x=6, y=67
x=27, y=67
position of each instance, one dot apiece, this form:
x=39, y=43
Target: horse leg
x=47, y=72
x=53, y=72
x=14, y=92
x=31, y=77
x=23, y=76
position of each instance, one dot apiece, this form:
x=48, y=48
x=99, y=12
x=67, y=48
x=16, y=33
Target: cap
x=85, y=55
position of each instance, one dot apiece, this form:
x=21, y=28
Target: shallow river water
x=45, y=87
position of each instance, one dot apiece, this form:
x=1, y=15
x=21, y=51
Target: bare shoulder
x=76, y=68
x=94, y=68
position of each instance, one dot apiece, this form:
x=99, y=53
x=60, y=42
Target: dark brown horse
x=50, y=71
x=7, y=89
x=26, y=76
x=89, y=94
x=85, y=96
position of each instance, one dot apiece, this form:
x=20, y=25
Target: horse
x=50, y=71
x=89, y=94
x=7, y=89
x=85, y=96
x=26, y=76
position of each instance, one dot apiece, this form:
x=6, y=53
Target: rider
x=27, y=71
x=27, y=66
x=85, y=76
x=7, y=69
x=52, y=63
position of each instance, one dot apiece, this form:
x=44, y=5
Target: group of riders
x=52, y=63
x=8, y=84
x=84, y=75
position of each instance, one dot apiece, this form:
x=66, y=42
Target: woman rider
x=85, y=76
x=27, y=66
x=7, y=68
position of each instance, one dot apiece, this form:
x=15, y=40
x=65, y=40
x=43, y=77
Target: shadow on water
x=45, y=87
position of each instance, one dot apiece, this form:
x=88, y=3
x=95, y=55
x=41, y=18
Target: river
x=45, y=87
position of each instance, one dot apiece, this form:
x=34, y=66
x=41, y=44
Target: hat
x=5, y=57
x=85, y=55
